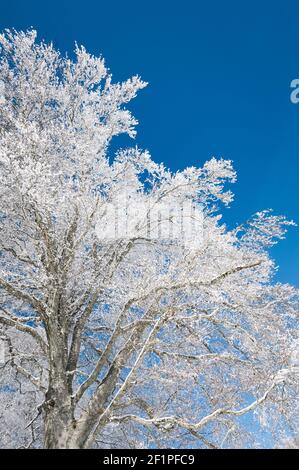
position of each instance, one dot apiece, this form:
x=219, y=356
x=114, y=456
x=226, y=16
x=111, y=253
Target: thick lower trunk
x=58, y=409
x=62, y=431
x=59, y=423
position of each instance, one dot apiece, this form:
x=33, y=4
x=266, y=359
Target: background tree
x=135, y=340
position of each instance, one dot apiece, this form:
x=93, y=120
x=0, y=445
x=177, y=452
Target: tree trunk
x=58, y=422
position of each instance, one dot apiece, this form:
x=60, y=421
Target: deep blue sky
x=219, y=76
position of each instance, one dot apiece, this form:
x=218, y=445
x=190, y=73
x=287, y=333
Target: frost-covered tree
x=136, y=337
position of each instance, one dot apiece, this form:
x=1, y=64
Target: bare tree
x=145, y=329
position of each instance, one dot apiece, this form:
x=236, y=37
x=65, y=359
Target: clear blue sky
x=219, y=74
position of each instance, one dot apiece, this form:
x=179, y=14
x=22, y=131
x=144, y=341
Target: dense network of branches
x=136, y=340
